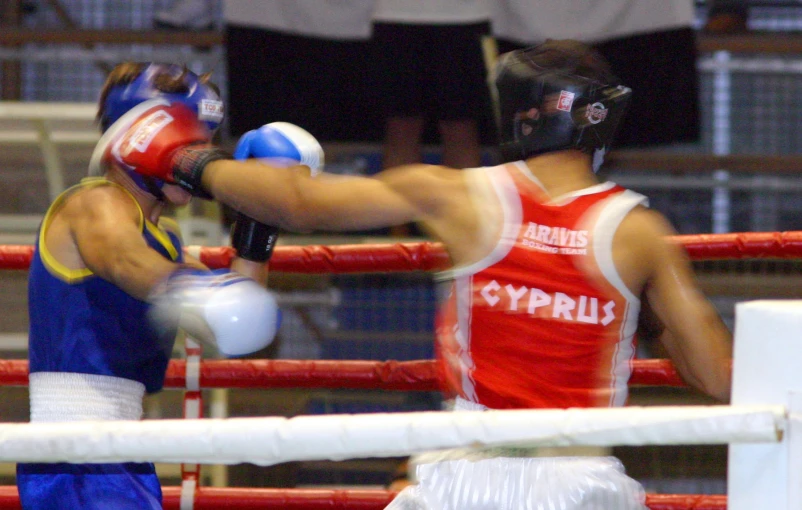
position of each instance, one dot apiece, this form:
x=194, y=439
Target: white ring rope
x=267, y=441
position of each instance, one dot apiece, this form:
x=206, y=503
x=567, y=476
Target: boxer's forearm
x=263, y=192
x=256, y=270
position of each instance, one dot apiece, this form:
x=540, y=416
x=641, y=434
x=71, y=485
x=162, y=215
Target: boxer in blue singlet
x=102, y=262
x=93, y=354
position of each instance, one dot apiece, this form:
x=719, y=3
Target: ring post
x=766, y=370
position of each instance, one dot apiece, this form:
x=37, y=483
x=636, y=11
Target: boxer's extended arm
x=270, y=194
x=695, y=337
x=295, y=201
x=285, y=145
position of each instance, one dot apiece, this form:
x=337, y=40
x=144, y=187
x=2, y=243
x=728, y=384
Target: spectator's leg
x=460, y=143
x=402, y=141
x=726, y=16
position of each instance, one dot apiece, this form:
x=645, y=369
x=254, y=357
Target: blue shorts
x=129, y=486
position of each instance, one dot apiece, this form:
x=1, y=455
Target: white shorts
x=509, y=483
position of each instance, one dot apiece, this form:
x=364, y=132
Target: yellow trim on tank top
x=55, y=267
x=160, y=234
x=170, y=225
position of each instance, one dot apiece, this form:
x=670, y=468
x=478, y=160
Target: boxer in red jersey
x=550, y=265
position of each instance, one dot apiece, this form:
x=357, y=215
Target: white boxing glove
x=220, y=308
x=281, y=144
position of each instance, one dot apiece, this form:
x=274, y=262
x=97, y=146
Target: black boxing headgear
x=556, y=96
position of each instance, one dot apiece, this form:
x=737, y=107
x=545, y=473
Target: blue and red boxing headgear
x=200, y=96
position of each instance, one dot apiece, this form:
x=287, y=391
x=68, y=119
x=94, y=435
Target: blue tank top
x=82, y=323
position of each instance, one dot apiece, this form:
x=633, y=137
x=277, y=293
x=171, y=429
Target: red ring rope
x=420, y=375
x=416, y=375
x=241, y=498
x=428, y=256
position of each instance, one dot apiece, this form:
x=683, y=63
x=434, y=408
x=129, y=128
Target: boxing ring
x=762, y=426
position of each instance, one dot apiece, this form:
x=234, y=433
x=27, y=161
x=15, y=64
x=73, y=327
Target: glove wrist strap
x=252, y=240
x=188, y=163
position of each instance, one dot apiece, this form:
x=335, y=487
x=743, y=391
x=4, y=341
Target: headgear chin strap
x=544, y=104
x=199, y=96
x=150, y=184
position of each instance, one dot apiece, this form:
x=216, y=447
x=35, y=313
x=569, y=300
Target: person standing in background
x=430, y=70
x=186, y=15
x=339, y=68
x=727, y=17
x=431, y=66
x=299, y=61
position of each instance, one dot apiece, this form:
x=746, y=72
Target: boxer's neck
x=563, y=172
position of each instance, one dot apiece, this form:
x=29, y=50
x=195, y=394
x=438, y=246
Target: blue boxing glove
x=279, y=144
x=220, y=308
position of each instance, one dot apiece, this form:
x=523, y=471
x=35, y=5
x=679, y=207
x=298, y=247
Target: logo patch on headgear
x=595, y=113
x=210, y=109
x=565, y=101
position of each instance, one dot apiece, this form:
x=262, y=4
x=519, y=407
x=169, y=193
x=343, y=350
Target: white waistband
x=461, y=404
x=62, y=396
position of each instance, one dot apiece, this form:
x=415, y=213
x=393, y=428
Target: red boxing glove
x=153, y=139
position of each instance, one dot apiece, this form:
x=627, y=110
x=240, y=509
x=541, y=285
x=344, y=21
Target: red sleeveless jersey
x=544, y=321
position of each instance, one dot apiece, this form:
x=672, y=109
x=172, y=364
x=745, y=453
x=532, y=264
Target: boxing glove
x=280, y=144
x=220, y=308
x=159, y=139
